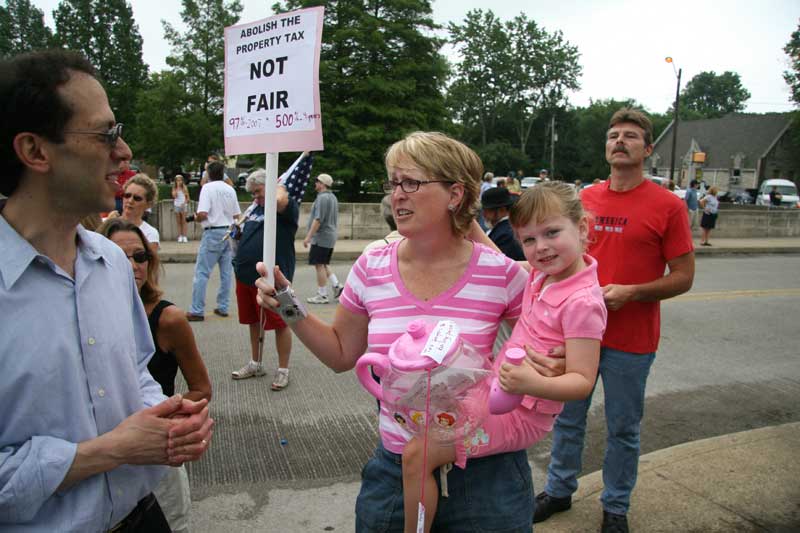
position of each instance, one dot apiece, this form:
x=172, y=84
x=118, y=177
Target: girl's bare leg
x=413, y=475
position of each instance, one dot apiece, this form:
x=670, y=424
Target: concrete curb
x=349, y=250
x=743, y=481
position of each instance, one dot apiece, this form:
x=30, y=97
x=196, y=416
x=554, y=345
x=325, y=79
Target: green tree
x=792, y=76
x=381, y=76
x=479, y=91
x=164, y=136
x=709, y=95
x=582, y=154
x=546, y=67
x=22, y=28
x=107, y=34
x=510, y=72
x=197, y=60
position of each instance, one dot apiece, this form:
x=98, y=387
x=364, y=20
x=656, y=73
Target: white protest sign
x=272, y=84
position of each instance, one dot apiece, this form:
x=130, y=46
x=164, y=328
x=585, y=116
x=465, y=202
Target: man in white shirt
x=216, y=210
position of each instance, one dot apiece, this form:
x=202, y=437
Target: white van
x=788, y=190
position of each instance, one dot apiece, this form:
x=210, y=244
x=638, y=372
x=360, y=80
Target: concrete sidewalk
x=748, y=481
x=349, y=250
x=743, y=482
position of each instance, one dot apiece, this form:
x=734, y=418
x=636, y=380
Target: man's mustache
x=620, y=149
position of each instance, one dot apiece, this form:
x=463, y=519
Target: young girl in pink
x=562, y=306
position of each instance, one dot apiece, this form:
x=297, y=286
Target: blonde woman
x=140, y=194
x=710, y=205
x=438, y=271
x=180, y=201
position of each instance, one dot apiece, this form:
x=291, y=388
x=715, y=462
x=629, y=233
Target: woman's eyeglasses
x=110, y=136
x=409, y=185
x=136, y=197
x=142, y=256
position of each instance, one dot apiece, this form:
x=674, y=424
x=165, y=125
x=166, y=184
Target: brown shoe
x=194, y=318
x=223, y=314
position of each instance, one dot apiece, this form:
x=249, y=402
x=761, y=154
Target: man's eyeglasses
x=136, y=197
x=110, y=136
x=142, y=256
x=409, y=185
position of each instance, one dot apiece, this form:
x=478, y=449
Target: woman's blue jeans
x=493, y=493
x=624, y=378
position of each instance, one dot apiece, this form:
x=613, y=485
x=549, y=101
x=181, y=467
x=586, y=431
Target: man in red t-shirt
x=638, y=229
x=124, y=176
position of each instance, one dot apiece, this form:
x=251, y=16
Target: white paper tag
x=421, y=518
x=441, y=340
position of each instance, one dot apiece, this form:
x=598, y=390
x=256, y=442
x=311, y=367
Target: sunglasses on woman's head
x=134, y=196
x=142, y=256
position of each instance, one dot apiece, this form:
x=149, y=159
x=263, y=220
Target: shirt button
x=101, y=392
x=91, y=341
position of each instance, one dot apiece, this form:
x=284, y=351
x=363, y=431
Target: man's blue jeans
x=624, y=378
x=213, y=250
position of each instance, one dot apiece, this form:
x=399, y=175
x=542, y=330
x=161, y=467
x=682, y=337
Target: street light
x=674, y=120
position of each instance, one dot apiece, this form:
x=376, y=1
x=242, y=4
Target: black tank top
x=163, y=366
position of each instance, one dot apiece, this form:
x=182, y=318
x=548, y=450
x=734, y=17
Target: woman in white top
x=710, y=205
x=180, y=199
x=140, y=194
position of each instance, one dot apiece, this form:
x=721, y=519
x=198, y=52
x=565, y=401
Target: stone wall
x=364, y=222
x=356, y=221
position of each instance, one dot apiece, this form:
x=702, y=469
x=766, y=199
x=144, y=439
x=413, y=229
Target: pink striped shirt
x=489, y=291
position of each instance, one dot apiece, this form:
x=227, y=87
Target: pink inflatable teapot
x=458, y=385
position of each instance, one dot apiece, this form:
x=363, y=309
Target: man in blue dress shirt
x=84, y=425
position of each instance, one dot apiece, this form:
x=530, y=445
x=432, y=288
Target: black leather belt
x=132, y=521
x=217, y=227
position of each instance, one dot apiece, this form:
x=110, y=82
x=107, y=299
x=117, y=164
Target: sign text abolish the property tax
x=272, y=84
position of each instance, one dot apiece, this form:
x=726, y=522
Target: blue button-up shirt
x=73, y=365
x=691, y=199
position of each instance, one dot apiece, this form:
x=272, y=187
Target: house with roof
x=734, y=152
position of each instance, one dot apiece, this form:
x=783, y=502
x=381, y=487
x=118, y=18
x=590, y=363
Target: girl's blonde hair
x=443, y=158
x=149, y=186
x=544, y=200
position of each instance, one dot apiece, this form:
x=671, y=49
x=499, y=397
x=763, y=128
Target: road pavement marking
x=730, y=295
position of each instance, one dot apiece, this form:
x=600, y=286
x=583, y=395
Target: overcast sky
x=622, y=43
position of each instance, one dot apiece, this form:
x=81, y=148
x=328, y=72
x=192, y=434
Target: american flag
x=296, y=178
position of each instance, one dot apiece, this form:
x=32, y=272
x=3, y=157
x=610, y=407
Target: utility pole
x=675, y=124
x=553, y=139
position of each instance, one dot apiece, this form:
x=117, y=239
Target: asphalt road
x=290, y=461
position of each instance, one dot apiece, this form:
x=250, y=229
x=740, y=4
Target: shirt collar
x=18, y=253
x=555, y=293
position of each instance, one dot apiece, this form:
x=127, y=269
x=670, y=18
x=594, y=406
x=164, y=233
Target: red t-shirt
x=632, y=235
x=124, y=176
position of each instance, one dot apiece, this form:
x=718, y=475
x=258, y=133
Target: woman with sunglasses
x=439, y=270
x=175, y=348
x=140, y=194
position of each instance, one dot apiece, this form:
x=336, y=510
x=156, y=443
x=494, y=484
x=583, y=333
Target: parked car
x=530, y=181
x=658, y=180
x=788, y=190
x=591, y=184
x=743, y=198
x=241, y=179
